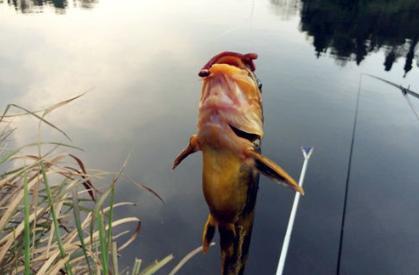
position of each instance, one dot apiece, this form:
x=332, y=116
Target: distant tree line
x=30, y=6
x=351, y=29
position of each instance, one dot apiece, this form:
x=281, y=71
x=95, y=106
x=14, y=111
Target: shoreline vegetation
x=57, y=216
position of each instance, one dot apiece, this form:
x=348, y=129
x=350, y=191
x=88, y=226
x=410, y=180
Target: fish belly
x=225, y=184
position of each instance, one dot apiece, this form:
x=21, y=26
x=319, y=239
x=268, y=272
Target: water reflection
x=143, y=98
x=286, y=9
x=35, y=6
x=351, y=29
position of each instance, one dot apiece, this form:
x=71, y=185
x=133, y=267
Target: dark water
x=139, y=60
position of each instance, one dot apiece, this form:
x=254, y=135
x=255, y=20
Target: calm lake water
x=139, y=61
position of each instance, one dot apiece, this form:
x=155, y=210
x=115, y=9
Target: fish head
x=244, y=61
x=230, y=111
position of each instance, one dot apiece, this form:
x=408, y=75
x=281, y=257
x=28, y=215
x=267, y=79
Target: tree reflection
x=286, y=9
x=351, y=29
x=33, y=6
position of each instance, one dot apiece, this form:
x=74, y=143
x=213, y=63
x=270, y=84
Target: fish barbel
x=230, y=130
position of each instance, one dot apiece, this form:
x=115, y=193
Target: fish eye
x=204, y=73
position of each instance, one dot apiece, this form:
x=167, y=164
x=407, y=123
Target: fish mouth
x=242, y=134
x=232, y=58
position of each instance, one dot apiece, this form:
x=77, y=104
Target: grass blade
x=186, y=259
x=133, y=236
x=145, y=187
x=157, y=265
x=60, y=104
x=110, y=215
x=26, y=234
x=137, y=267
x=77, y=220
x=54, y=218
x=35, y=115
x=115, y=258
x=103, y=244
x=89, y=186
x=5, y=157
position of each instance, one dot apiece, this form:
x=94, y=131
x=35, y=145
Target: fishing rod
x=405, y=92
x=348, y=177
x=403, y=89
x=307, y=151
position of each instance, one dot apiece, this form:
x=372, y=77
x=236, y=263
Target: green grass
x=56, y=216
x=27, y=235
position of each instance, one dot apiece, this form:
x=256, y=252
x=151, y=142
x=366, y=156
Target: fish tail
x=235, y=238
x=234, y=243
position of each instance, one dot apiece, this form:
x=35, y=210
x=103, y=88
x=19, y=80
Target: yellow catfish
x=230, y=130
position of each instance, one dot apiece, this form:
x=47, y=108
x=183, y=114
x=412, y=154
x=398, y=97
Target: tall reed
x=56, y=216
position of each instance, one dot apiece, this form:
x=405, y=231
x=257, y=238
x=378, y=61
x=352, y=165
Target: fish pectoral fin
x=273, y=170
x=191, y=148
x=208, y=233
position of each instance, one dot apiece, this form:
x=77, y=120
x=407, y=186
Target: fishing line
x=405, y=92
x=348, y=176
x=411, y=106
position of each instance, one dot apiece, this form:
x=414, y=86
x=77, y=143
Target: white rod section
x=284, y=251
